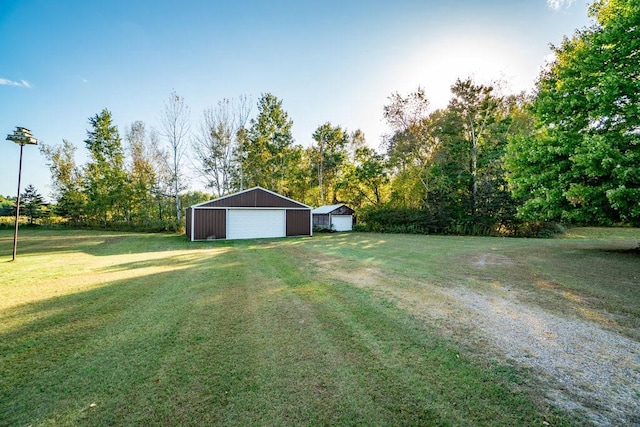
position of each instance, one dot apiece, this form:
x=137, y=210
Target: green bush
x=402, y=220
x=417, y=221
x=317, y=229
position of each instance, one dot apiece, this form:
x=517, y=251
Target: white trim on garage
x=342, y=222
x=256, y=223
x=193, y=224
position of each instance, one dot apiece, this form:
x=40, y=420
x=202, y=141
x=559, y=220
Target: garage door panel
x=342, y=222
x=255, y=223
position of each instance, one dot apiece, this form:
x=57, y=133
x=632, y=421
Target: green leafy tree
x=106, y=183
x=6, y=206
x=366, y=179
x=67, y=181
x=299, y=183
x=450, y=162
x=190, y=198
x=469, y=165
x=582, y=162
x=410, y=140
x=329, y=154
x=142, y=174
x=268, y=154
x=410, y=148
x=476, y=109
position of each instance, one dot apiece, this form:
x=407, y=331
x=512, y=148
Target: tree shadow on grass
x=97, y=243
x=269, y=343
x=630, y=251
x=34, y=242
x=106, y=346
x=164, y=348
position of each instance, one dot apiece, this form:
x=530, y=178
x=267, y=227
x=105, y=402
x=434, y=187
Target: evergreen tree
x=268, y=154
x=106, y=183
x=32, y=204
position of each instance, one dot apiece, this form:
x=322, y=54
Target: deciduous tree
x=217, y=145
x=175, y=128
x=67, y=181
x=143, y=179
x=582, y=164
x=366, y=179
x=329, y=154
x=477, y=109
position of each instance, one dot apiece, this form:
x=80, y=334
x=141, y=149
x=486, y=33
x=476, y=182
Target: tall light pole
x=23, y=137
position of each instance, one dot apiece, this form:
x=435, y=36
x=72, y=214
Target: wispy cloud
x=21, y=83
x=559, y=4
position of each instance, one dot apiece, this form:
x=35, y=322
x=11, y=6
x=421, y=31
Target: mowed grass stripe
x=99, y=346
x=243, y=333
x=591, y=271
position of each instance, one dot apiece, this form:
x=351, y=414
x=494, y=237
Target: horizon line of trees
x=488, y=162
x=32, y=206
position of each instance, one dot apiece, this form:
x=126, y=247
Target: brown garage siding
x=298, y=222
x=343, y=210
x=210, y=223
x=256, y=198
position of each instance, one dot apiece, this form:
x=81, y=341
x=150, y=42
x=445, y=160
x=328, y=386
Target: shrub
x=401, y=220
x=422, y=221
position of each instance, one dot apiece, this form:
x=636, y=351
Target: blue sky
x=328, y=60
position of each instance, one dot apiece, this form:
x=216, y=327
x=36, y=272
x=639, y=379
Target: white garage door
x=342, y=222
x=255, y=223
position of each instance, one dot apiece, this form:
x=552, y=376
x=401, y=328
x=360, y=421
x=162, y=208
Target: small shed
x=339, y=217
x=250, y=214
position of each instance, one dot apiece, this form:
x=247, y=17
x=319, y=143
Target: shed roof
x=327, y=208
x=255, y=197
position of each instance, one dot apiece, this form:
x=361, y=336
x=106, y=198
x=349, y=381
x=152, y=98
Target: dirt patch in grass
x=582, y=367
x=491, y=259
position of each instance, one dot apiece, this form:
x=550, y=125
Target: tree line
x=32, y=206
x=140, y=181
x=489, y=162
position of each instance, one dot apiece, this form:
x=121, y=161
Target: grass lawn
x=101, y=328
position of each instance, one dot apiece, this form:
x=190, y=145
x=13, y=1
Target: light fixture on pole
x=23, y=137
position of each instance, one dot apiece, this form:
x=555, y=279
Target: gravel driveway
x=581, y=366
x=586, y=368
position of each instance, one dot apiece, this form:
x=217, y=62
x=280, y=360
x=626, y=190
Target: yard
x=101, y=328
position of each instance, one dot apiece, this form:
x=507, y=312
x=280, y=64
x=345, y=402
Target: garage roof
x=256, y=197
x=327, y=209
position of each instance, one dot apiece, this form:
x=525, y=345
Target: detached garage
x=337, y=217
x=251, y=214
